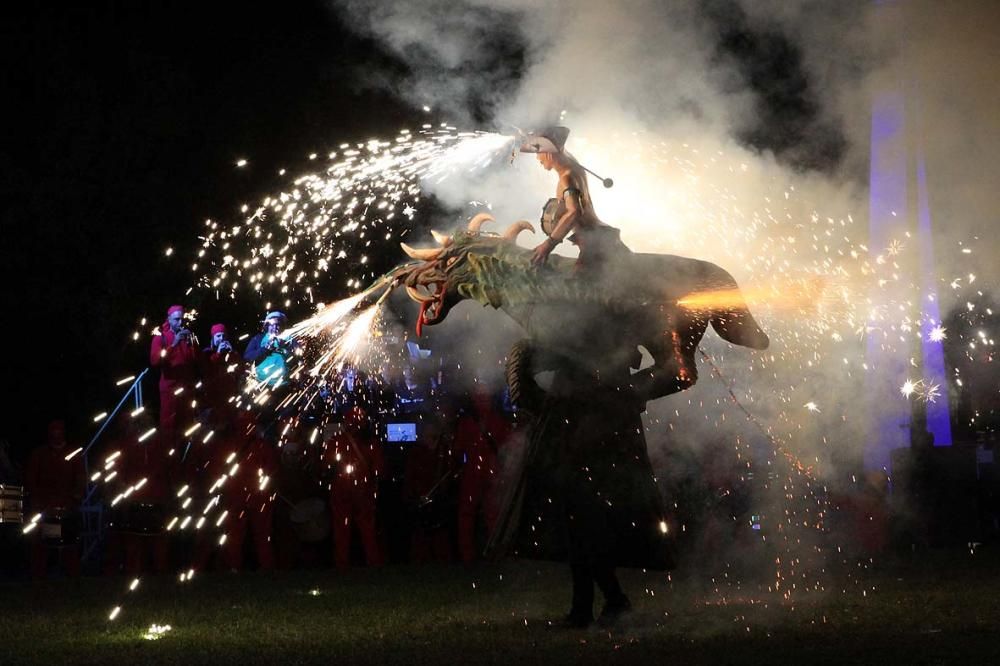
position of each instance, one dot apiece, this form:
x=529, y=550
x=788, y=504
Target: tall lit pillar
x=899, y=210
x=938, y=414
x=888, y=348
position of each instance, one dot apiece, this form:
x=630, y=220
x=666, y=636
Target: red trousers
x=139, y=547
x=175, y=414
x=430, y=545
x=259, y=522
x=353, y=505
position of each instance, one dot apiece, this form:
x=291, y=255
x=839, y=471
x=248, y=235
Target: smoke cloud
x=736, y=132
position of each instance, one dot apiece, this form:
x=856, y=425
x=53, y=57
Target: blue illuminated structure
x=896, y=208
x=938, y=415
x=890, y=412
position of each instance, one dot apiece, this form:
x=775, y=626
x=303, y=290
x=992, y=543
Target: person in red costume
x=175, y=354
x=355, y=460
x=146, y=467
x=428, y=487
x=55, y=488
x=246, y=463
x=481, y=431
x=221, y=372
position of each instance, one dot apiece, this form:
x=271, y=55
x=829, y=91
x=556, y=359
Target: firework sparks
x=807, y=275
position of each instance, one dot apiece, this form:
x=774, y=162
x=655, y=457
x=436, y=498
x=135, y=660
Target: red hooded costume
x=178, y=366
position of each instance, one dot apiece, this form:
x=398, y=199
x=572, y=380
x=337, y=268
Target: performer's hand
x=541, y=253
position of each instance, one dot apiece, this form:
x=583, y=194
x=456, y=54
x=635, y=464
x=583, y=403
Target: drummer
x=570, y=215
x=55, y=487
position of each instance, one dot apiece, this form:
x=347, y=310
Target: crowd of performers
x=392, y=470
x=379, y=472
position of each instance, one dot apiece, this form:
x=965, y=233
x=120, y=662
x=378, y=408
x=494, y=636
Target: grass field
x=943, y=609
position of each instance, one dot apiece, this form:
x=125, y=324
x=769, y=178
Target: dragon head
x=451, y=272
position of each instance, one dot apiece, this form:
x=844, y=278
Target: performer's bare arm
x=570, y=193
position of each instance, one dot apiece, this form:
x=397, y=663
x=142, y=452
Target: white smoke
x=655, y=104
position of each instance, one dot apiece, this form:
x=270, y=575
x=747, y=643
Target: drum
x=60, y=526
x=11, y=504
x=551, y=212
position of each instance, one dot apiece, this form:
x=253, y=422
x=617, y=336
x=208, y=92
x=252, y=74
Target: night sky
x=128, y=119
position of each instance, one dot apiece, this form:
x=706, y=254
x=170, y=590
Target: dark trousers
x=591, y=557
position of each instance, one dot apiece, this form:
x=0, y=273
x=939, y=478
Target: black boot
x=614, y=609
x=581, y=613
x=577, y=619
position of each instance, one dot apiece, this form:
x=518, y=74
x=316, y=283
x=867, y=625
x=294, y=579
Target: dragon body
x=597, y=320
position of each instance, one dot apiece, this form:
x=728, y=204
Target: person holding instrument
x=174, y=351
x=570, y=214
x=269, y=351
x=221, y=371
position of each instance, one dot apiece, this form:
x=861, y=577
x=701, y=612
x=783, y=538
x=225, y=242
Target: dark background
x=130, y=120
x=125, y=121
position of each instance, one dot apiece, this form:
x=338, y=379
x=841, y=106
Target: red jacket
x=477, y=440
x=354, y=458
x=255, y=459
x=219, y=383
x=178, y=364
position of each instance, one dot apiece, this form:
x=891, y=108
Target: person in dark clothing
x=271, y=355
x=586, y=490
x=270, y=352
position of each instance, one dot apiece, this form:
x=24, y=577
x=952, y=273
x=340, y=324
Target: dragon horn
x=443, y=240
x=516, y=228
x=426, y=254
x=478, y=220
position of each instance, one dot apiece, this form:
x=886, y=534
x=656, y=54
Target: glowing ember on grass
x=156, y=631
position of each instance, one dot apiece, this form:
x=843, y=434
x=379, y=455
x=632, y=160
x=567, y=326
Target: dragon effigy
x=585, y=488
x=637, y=302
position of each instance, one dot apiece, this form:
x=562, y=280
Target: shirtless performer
x=571, y=213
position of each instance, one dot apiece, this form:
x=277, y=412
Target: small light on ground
x=156, y=631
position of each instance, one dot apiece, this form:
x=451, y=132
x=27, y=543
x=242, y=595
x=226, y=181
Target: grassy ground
x=943, y=609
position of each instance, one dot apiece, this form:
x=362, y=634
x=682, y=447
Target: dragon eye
x=450, y=262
